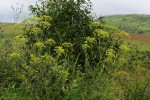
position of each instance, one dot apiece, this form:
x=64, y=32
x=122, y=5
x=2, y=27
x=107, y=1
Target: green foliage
x=59, y=56
x=71, y=22
x=130, y=23
x=52, y=42
x=46, y=66
x=10, y=30
x=6, y=69
x=70, y=18
x=134, y=86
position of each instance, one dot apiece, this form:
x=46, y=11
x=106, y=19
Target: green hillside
x=10, y=30
x=132, y=23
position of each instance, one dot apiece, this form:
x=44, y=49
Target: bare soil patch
x=140, y=37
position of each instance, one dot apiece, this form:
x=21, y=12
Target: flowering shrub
x=64, y=54
x=45, y=60
x=58, y=46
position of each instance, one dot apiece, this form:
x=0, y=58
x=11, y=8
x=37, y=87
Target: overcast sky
x=101, y=7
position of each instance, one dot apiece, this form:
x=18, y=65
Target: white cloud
x=108, y=7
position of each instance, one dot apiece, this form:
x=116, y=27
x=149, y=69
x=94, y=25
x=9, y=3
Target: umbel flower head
x=36, y=31
x=21, y=38
x=59, y=50
x=50, y=42
x=101, y=33
x=95, y=24
x=110, y=53
x=45, y=24
x=90, y=40
x=85, y=46
x=34, y=58
x=124, y=47
x=48, y=59
x=46, y=18
x=67, y=45
x=39, y=45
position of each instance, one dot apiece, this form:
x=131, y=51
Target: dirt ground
x=140, y=37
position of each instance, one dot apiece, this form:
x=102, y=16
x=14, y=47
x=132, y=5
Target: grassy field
x=142, y=41
x=136, y=25
x=10, y=30
x=133, y=23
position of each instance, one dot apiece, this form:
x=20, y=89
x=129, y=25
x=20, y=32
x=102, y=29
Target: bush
x=62, y=47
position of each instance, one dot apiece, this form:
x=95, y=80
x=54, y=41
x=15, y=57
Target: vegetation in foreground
x=57, y=57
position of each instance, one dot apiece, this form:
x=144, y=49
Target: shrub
x=60, y=44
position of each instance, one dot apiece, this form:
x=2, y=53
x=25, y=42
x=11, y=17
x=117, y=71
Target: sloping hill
x=132, y=23
x=10, y=30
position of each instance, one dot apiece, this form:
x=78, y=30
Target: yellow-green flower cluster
x=32, y=19
x=39, y=45
x=35, y=20
x=64, y=74
x=90, y=40
x=74, y=83
x=34, y=58
x=124, y=47
x=45, y=24
x=24, y=40
x=50, y=42
x=95, y=24
x=65, y=89
x=85, y=46
x=36, y=31
x=59, y=50
x=45, y=21
x=126, y=34
x=46, y=18
x=110, y=53
x=67, y=45
x=15, y=56
x=18, y=36
x=101, y=33
x=48, y=59
x=21, y=39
